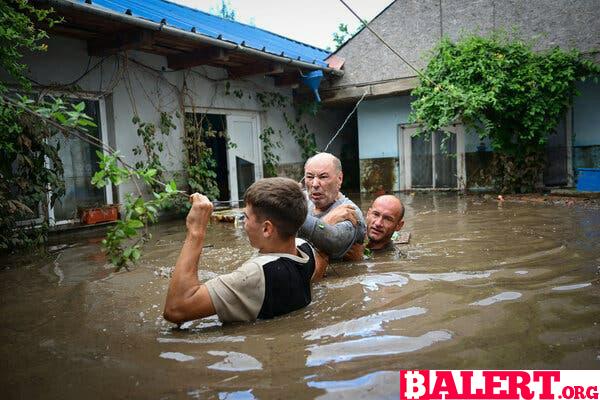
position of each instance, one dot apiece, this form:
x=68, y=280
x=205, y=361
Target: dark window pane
x=421, y=162
x=445, y=161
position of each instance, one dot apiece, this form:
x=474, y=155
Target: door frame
x=232, y=113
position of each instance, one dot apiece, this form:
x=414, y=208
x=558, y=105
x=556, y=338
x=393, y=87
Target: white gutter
x=198, y=37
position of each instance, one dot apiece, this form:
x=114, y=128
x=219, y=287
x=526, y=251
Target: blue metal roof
x=186, y=18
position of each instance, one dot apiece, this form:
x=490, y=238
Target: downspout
x=155, y=26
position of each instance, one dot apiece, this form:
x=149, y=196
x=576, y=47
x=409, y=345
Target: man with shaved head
x=334, y=224
x=384, y=218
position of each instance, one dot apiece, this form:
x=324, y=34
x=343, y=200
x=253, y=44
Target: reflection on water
x=170, y=355
x=234, y=361
x=571, y=287
x=376, y=385
x=364, y=326
x=504, y=296
x=371, y=347
x=478, y=287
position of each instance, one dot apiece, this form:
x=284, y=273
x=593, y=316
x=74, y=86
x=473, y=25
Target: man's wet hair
x=279, y=200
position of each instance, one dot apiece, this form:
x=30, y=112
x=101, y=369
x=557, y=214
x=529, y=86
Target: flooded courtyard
x=481, y=285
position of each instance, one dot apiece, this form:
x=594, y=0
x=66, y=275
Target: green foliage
x=30, y=168
x=152, y=146
x=270, y=143
x=343, y=34
x=305, y=139
x=200, y=163
x=18, y=34
x=271, y=100
x=224, y=10
x=503, y=90
x=25, y=177
x=124, y=240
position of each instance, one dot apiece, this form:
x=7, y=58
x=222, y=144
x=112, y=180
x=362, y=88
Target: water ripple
x=370, y=281
x=203, y=340
x=372, y=346
x=363, y=326
x=169, y=355
x=504, y=296
x=571, y=287
x=380, y=384
x=452, y=276
x=235, y=361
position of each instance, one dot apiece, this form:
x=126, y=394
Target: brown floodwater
x=482, y=285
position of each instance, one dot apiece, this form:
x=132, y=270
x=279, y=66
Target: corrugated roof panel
x=186, y=18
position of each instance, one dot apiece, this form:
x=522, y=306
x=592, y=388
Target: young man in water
x=275, y=282
x=342, y=238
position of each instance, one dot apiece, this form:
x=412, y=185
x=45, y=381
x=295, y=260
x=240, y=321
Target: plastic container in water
x=588, y=179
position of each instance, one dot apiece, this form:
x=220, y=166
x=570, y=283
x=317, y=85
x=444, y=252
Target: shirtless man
x=276, y=282
x=384, y=218
x=323, y=180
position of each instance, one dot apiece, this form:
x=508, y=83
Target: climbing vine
x=299, y=131
x=270, y=141
x=200, y=164
x=503, y=90
x=152, y=146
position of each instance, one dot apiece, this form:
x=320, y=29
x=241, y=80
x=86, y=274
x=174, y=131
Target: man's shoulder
x=343, y=200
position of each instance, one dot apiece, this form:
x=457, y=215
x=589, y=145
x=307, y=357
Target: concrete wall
x=125, y=85
x=414, y=27
x=378, y=122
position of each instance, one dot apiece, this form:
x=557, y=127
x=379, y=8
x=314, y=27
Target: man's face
x=322, y=182
x=253, y=227
x=383, y=219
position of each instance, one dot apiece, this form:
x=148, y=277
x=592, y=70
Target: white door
x=244, y=160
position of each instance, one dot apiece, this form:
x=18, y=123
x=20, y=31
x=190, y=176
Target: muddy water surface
x=480, y=285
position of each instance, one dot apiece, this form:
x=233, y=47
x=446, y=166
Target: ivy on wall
x=503, y=90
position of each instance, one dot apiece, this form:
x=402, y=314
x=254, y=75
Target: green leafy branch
x=504, y=91
x=270, y=143
x=124, y=240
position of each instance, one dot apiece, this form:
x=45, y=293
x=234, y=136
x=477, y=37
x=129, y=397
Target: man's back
x=265, y=286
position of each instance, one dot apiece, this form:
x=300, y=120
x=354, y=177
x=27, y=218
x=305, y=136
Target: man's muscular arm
x=187, y=298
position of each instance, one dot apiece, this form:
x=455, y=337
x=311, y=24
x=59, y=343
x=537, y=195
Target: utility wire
x=345, y=121
x=421, y=75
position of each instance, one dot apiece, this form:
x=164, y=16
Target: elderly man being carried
x=334, y=224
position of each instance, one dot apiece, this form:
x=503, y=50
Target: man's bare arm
x=187, y=298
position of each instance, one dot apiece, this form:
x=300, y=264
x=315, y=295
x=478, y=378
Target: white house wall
x=150, y=91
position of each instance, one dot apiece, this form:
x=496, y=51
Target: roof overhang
x=108, y=32
x=340, y=95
